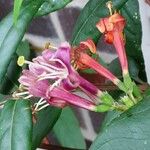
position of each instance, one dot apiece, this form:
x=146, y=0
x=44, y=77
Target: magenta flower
x=51, y=76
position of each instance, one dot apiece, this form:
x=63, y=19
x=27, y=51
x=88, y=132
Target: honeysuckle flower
x=48, y=94
x=113, y=27
x=85, y=46
x=50, y=77
x=82, y=58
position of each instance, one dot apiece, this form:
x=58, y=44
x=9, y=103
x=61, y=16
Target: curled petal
x=90, y=45
x=104, y=25
x=63, y=53
x=71, y=82
x=118, y=21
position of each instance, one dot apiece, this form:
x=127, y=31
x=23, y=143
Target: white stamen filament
x=51, y=74
x=21, y=93
x=39, y=65
x=58, y=60
x=29, y=96
x=56, y=83
x=61, y=75
x=44, y=106
x=51, y=66
x=39, y=103
x=47, y=66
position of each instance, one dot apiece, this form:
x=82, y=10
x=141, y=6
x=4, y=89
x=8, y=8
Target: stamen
x=58, y=60
x=75, y=66
x=44, y=106
x=21, y=61
x=45, y=66
x=51, y=66
x=109, y=5
x=48, y=45
x=40, y=102
x=55, y=84
x=19, y=94
x=29, y=96
x=61, y=75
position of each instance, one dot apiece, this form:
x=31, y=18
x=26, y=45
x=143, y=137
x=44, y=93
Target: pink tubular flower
x=51, y=77
x=112, y=27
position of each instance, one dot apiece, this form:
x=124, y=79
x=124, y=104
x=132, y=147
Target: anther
x=21, y=61
x=48, y=45
x=109, y=5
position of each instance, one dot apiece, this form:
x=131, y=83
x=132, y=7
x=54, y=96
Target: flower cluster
x=53, y=76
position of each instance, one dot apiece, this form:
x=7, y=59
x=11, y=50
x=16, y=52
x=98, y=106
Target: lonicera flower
x=48, y=93
x=80, y=57
x=51, y=77
x=85, y=46
x=113, y=27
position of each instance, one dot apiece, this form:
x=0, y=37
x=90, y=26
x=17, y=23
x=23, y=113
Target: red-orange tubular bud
x=112, y=27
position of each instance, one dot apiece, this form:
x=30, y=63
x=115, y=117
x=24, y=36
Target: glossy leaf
x=133, y=30
x=10, y=81
x=133, y=34
x=4, y=98
x=51, y=6
x=16, y=126
x=17, y=6
x=12, y=34
x=45, y=120
x=67, y=130
x=129, y=130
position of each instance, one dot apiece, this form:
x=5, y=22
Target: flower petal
x=90, y=45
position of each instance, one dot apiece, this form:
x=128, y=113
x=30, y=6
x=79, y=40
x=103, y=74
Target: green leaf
x=46, y=119
x=23, y=50
x=14, y=71
x=133, y=37
x=51, y=6
x=133, y=34
x=11, y=35
x=16, y=126
x=17, y=6
x=67, y=130
x=129, y=130
x=4, y=98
